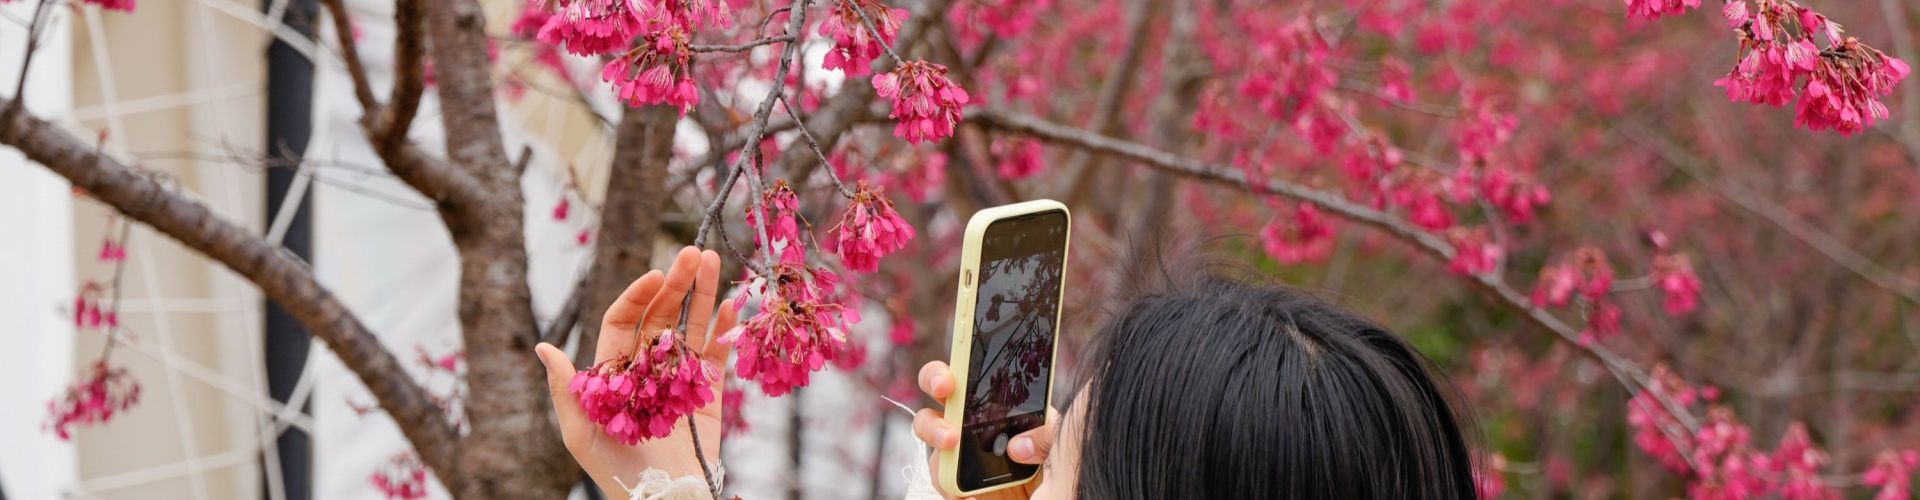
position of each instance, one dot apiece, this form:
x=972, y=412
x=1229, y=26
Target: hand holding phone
x=1006, y=319
x=931, y=427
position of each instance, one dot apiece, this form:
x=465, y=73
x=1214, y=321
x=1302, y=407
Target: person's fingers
x=1031, y=447
x=566, y=405
x=933, y=428
x=664, y=310
x=716, y=351
x=705, y=285
x=936, y=380
x=616, y=328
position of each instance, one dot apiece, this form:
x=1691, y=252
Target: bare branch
x=350, y=53
x=1840, y=252
x=744, y=46
x=464, y=80
x=409, y=76
x=281, y=278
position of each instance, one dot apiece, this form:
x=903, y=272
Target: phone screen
x=1017, y=301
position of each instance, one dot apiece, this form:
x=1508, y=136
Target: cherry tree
x=1600, y=217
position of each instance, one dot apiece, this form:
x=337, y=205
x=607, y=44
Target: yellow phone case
x=960, y=354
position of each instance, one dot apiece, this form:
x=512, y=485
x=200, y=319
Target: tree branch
x=464, y=79
x=1840, y=252
x=432, y=177
x=281, y=277
x=744, y=46
x=849, y=107
x=409, y=76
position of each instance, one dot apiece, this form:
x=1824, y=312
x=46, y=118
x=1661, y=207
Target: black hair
x=1201, y=385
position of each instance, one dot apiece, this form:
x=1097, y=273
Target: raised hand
x=653, y=303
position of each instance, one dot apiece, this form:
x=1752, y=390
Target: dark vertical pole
x=289, y=124
x=796, y=439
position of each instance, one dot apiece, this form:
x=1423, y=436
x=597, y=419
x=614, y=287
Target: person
x=1198, y=384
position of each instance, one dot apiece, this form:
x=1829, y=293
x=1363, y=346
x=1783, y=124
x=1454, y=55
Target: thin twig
x=837, y=184
x=26, y=64
x=744, y=46
x=876, y=31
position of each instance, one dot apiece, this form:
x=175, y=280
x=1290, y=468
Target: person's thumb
x=559, y=375
x=1031, y=447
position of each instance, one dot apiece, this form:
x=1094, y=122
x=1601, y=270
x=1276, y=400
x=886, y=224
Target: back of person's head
x=1206, y=386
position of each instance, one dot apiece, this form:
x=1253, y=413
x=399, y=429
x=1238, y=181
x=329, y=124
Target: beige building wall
x=175, y=86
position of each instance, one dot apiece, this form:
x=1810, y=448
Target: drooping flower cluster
x=779, y=215
x=869, y=230
x=1588, y=274
x=1837, y=88
x=656, y=71
x=88, y=311
x=403, y=477
x=640, y=395
x=1472, y=253
x=1019, y=157
x=1653, y=9
x=1892, y=471
x=797, y=331
x=854, y=46
x=112, y=251
x=659, y=71
x=591, y=27
x=1680, y=288
x=926, y=104
x=1305, y=236
x=1720, y=454
x=105, y=391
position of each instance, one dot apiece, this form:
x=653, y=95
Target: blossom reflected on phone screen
x=1014, y=315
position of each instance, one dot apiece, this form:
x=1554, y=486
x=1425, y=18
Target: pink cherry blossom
x=796, y=332
x=105, y=391
x=926, y=104
x=112, y=251
x=1892, y=471
x=1019, y=157
x=591, y=27
x=854, y=46
x=1653, y=9
x=1488, y=481
x=639, y=396
x=782, y=213
x=1304, y=236
x=560, y=209
x=732, y=420
x=1472, y=253
x=659, y=71
x=403, y=477
x=1678, y=285
x=869, y=230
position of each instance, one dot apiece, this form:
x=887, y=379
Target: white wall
x=36, y=276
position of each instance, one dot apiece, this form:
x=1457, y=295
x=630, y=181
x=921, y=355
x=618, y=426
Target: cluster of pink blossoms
x=403, y=477
x=1724, y=462
x=1653, y=9
x=1019, y=157
x=639, y=396
x=591, y=27
x=659, y=71
x=854, y=46
x=1472, y=252
x=1306, y=236
x=1673, y=273
x=105, y=391
x=798, y=330
x=924, y=101
x=1892, y=471
x=869, y=230
x=87, y=311
x=1837, y=88
x=1588, y=274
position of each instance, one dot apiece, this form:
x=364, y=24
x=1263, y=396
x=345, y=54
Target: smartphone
x=1005, y=319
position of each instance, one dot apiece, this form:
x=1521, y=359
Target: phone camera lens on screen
x=1017, y=298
